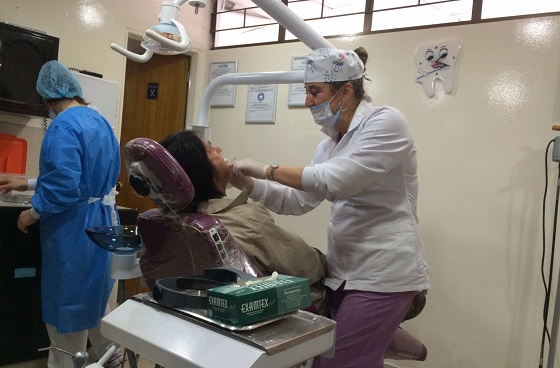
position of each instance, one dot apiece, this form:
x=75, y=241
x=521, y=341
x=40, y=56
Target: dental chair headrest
x=153, y=172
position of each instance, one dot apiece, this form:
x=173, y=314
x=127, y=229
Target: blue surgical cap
x=56, y=81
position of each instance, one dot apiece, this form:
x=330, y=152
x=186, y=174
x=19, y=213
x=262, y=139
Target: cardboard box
x=244, y=305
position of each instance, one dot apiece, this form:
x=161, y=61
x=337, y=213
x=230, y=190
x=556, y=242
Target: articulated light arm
x=131, y=55
x=168, y=19
x=289, y=20
x=241, y=78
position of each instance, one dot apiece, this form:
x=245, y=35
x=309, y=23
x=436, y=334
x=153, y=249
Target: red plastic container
x=13, y=154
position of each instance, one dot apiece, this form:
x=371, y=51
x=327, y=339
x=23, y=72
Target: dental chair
x=178, y=243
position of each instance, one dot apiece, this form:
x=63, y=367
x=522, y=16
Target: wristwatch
x=270, y=175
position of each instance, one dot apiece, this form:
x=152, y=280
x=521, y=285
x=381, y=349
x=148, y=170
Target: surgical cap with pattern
x=332, y=65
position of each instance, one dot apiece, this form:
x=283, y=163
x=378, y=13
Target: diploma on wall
x=297, y=90
x=225, y=96
x=261, y=104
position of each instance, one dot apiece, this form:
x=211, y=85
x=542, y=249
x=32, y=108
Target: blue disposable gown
x=79, y=162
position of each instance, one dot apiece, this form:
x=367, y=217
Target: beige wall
x=481, y=169
x=481, y=157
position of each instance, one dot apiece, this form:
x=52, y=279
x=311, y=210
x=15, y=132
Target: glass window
x=306, y=9
x=438, y=13
x=241, y=22
x=509, y=8
x=230, y=19
x=348, y=24
x=247, y=36
x=390, y=4
x=309, y=9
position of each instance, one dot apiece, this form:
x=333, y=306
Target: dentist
x=366, y=168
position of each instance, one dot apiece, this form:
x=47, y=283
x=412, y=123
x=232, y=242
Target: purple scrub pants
x=366, y=322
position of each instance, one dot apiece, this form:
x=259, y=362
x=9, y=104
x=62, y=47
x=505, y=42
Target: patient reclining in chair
x=187, y=178
x=265, y=243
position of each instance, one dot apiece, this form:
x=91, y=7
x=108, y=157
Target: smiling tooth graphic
x=437, y=61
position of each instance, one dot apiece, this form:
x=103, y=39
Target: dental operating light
x=169, y=37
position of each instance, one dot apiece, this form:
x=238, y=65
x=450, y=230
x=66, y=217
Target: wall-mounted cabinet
x=22, y=54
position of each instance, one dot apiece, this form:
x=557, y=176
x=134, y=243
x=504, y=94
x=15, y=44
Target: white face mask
x=324, y=117
x=52, y=114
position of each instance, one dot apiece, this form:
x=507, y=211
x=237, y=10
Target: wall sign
x=436, y=61
x=296, y=95
x=261, y=104
x=152, y=91
x=225, y=96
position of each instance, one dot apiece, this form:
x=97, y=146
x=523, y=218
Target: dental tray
x=16, y=198
x=136, y=317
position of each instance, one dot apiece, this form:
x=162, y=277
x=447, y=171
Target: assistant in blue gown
x=79, y=166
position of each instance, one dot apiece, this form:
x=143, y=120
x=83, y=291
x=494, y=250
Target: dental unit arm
x=287, y=19
x=169, y=37
x=276, y=9
x=241, y=79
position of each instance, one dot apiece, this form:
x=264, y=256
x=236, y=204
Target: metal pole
x=554, y=332
x=556, y=317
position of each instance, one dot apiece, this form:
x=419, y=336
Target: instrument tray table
x=179, y=338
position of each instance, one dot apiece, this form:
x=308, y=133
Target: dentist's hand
x=241, y=182
x=250, y=168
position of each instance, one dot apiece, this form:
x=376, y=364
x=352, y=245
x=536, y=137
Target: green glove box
x=240, y=305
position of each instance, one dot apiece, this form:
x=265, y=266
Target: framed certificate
x=225, y=96
x=261, y=104
x=297, y=90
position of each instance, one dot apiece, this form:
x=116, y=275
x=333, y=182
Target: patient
x=268, y=245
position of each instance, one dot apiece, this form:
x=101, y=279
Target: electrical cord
x=547, y=285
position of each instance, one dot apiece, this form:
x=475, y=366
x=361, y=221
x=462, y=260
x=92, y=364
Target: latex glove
x=250, y=168
x=241, y=182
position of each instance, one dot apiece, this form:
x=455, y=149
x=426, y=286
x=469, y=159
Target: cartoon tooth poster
x=436, y=61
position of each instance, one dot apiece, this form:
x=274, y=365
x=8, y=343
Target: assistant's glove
x=250, y=168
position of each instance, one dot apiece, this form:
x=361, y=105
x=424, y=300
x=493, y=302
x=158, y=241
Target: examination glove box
x=241, y=305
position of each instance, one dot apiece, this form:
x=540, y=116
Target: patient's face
x=222, y=171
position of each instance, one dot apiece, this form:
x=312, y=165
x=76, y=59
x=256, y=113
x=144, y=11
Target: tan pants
x=76, y=342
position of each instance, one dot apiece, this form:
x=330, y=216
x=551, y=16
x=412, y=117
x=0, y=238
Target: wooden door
x=154, y=106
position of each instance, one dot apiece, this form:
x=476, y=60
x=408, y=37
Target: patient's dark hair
x=189, y=150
